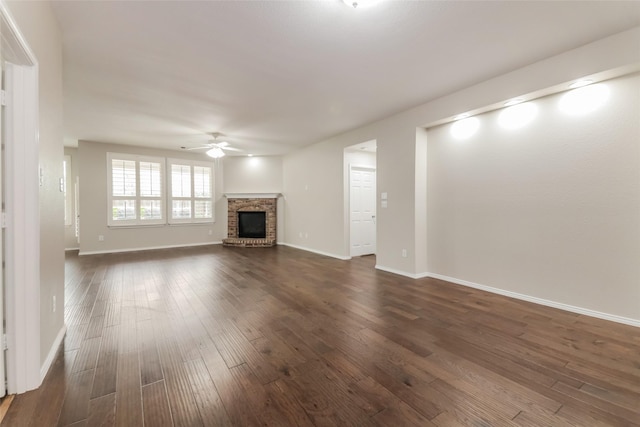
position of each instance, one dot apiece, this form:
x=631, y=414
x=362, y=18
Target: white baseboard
x=541, y=301
x=53, y=351
x=148, y=248
x=398, y=272
x=71, y=249
x=315, y=251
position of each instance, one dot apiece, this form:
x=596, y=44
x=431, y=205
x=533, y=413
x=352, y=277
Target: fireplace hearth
x=251, y=220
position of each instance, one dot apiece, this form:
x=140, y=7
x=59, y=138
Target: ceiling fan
x=215, y=149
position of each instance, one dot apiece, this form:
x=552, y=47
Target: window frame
x=111, y=222
x=192, y=198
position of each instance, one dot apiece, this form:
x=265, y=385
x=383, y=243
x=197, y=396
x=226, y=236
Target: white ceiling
x=277, y=75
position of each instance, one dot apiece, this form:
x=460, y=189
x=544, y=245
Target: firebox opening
x=252, y=225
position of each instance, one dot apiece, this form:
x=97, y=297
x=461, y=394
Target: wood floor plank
x=104, y=382
x=277, y=336
x=76, y=399
x=150, y=365
x=102, y=411
x=128, y=391
x=230, y=391
x=156, y=405
x=206, y=395
x=184, y=409
x=87, y=356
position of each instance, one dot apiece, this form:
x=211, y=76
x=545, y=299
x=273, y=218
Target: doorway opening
x=360, y=163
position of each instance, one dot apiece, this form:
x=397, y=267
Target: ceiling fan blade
x=230, y=149
x=195, y=148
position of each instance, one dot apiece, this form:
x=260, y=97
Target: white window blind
x=203, y=203
x=191, y=193
x=136, y=190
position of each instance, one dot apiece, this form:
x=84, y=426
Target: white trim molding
x=510, y=294
x=252, y=195
x=399, y=272
x=302, y=248
x=148, y=248
x=22, y=250
x=52, y=352
x=541, y=301
x=23, y=229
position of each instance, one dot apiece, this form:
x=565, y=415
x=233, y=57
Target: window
x=136, y=190
x=190, y=191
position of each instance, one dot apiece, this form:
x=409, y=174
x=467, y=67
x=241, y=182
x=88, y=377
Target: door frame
x=350, y=169
x=22, y=195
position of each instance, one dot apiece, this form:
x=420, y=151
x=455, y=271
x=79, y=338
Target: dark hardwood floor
x=282, y=337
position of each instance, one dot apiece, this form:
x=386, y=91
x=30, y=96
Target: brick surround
x=235, y=205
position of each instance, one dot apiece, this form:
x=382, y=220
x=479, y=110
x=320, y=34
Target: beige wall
x=359, y=158
x=314, y=205
x=234, y=174
x=40, y=29
x=92, y=167
x=313, y=182
x=550, y=210
x=252, y=174
x=258, y=174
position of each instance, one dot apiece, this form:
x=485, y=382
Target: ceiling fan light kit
x=214, y=148
x=215, y=152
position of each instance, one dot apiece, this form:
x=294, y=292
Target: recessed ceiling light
x=250, y=155
x=359, y=4
x=463, y=129
x=513, y=101
x=584, y=100
x=580, y=83
x=517, y=116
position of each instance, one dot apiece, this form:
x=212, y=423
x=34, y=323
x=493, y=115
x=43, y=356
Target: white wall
x=551, y=210
x=40, y=29
x=313, y=184
x=92, y=168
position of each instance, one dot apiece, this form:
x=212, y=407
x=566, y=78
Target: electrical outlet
x=306, y=235
x=210, y=232
x=404, y=253
x=101, y=238
x=300, y=234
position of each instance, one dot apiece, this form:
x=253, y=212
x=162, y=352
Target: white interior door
x=362, y=183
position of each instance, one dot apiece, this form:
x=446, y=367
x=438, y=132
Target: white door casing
x=3, y=378
x=362, y=210
x=22, y=192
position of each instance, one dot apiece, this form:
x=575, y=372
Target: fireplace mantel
x=252, y=195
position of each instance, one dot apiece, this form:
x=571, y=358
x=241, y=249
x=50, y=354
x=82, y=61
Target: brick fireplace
x=240, y=202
